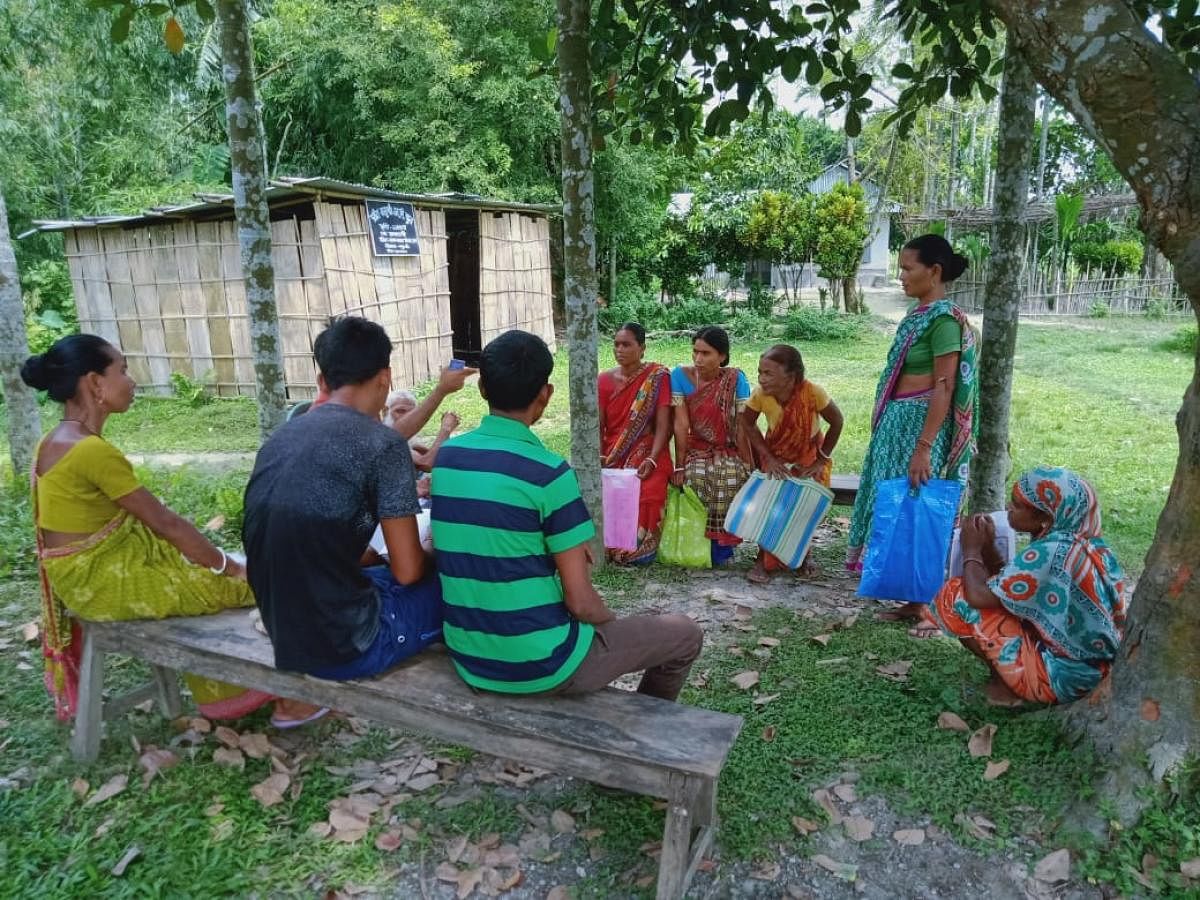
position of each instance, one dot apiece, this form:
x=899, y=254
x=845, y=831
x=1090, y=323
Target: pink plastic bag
x=621, y=490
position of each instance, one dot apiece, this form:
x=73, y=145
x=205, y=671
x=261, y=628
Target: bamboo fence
x=514, y=272
x=1080, y=294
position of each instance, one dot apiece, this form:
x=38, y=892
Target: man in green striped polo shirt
x=511, y=535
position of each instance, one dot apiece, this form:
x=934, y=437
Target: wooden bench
x=845, y=489
x=613, y=738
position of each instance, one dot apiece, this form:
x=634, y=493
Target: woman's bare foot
x=1000, y=694
x=923, y=630
x=759, y=574
x=808, y=568
x=909, y=612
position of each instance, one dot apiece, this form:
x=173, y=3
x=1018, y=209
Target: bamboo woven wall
x=172, y=298
x=408, y=295
x=514, y=273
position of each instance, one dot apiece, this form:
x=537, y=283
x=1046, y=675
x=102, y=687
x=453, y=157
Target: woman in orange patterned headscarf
x=794, y=444
x=1048, y=624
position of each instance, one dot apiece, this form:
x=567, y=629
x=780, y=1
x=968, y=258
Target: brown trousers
x=664, y=646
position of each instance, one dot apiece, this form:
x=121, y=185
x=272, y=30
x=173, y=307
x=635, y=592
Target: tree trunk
x=1002, y=293
x=612, y=271
x=579, y=250
x=249, y=165
x=1142, y=104
x=24, y=421
x=1040, y=188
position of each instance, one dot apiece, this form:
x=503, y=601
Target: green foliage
x=693, y=313
x=678, y=258
x=18, y=552
x=760, y=300
x=780, y=227
x=804, y=323
x=1111, y=257
x=840, y=229
x=976, y=249
x=633, y=303
x=1182, y=341
x=1099, y=310
x=1156, y=309
x=192, y=392
x=781, y=151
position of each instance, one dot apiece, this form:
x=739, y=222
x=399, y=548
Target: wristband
x=681, y=468
x=974, y=559
x=224, y=563
x=652, y=461
x=825, y=456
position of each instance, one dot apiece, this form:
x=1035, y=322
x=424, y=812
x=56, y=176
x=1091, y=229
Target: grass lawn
x=1092, y=395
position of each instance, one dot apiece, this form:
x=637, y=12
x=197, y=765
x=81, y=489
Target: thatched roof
x=1041, y=211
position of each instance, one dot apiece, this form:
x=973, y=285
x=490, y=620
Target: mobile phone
x=457, y=364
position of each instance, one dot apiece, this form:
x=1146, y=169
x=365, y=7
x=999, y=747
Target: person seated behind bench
x=511, y=532
x=400, y=404
x=320, y=486
x=1049, y=624
x=108, y=549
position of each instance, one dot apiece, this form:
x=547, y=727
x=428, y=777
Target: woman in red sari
x=712, y=452
x=794, y=444
x=635, y=427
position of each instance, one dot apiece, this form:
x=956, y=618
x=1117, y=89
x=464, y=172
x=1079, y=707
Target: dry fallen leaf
x=30, y=631
x=1055, y=868
x=858, y=828
x=822, y=639
x=846, y=793
x=320, y=829
x=80, y=788
x=768, y=733
x=200, y=725
x=764, y=699
x=214, y=808
x=563, y=822
x=467, y=882
x=895, y=671
x=255, y=746
x=350, y=836
x=841, y=870
x=909, y=837
x=215, y=523
x=108, y=790
x=131, y=853
x=154, y=761
x=455, y=848
x=980, y=742
x=804, y=826
x=995, y=769
x=345, y=820
x=822, y=799
x=1190, y=868
x=446, y=872
x=768, y=642
x=745, y=680
x=388, y=840
x=270, y=791
x=559, y=892
x=226, y=756
x=228, y=736
x=1150, y=710
x=977, y=826
x=766, y=872
x=951, y=722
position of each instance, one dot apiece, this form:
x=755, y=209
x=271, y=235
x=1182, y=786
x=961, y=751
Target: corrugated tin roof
x=287, y=188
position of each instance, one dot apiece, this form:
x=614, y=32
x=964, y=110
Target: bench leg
x=690, y=826
x=85, y=742
x=166, y=686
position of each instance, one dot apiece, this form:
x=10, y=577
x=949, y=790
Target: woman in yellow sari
x=109, y=549
x=794, y=444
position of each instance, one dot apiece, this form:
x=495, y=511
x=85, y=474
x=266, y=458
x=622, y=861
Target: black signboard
x=393, y=228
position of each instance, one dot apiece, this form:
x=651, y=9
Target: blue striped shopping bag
x=779, y=514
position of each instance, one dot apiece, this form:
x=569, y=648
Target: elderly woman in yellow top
x=108, y=549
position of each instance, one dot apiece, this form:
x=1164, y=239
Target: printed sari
x=125, y=571
x=897, y=421
x=714, y=468
x=627, y=415
x=1064, y=599
x=794, y=438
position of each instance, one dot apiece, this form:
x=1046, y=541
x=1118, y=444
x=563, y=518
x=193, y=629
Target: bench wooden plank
x=638, y=738
x=845, y=489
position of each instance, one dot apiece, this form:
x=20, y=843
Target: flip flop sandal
x=285, y=724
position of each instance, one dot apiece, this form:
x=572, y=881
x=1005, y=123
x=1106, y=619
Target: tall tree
x=579, y=249
x=1002, y=293
x=1142, y=103
x=247, y=158
x=24, y=421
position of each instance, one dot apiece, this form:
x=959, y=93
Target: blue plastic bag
x=910, y=540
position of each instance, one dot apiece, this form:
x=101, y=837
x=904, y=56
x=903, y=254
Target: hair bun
x=34, y=374
x=955, y=267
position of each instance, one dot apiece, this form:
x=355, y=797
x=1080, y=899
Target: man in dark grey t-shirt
x=320, y=486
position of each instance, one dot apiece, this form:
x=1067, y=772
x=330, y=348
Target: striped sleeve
x=566, y=522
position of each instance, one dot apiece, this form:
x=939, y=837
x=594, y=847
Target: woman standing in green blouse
x=926, y=404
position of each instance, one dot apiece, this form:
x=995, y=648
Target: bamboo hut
x=166, y=285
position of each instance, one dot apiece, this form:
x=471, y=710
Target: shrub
x=1099, y=310
x=634, y=303
x=693, y=313
x=1111, y=257
x=1156, y=309
x=1184, y=340
x=760, y=300
x=749, y=324
x=805, y=323
x=191, y=391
